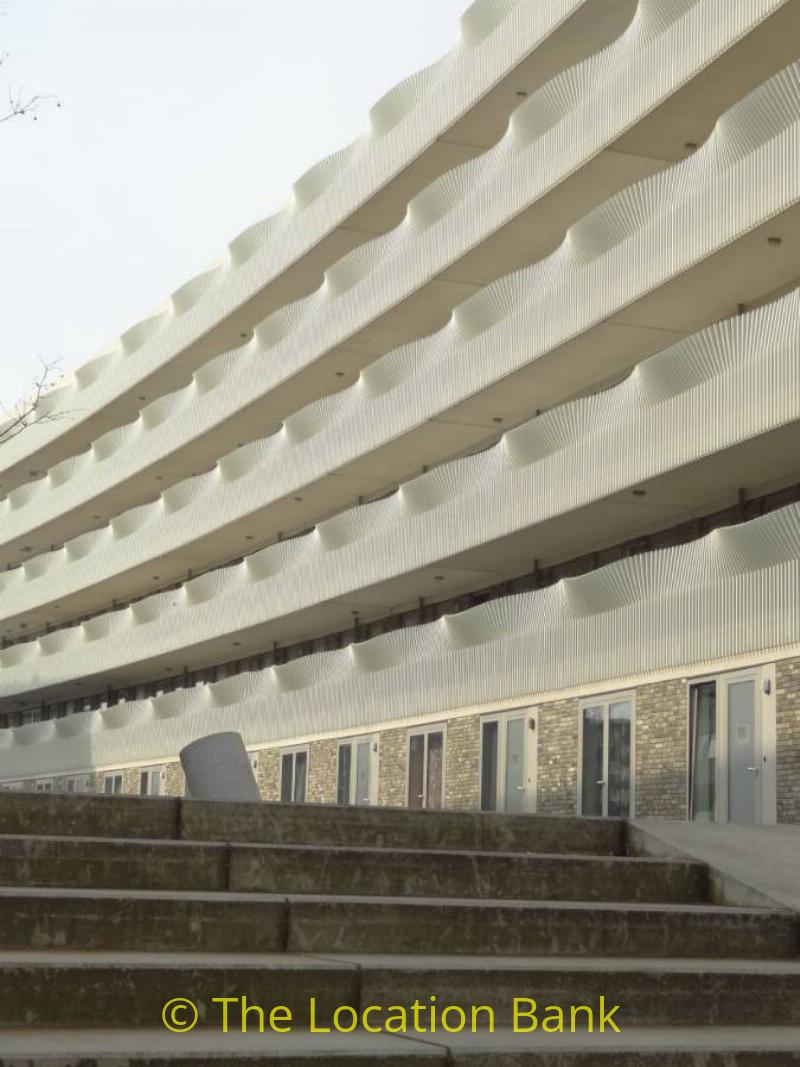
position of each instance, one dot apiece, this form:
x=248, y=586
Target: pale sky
x=182, y=122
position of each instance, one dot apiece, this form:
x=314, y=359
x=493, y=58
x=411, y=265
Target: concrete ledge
x=640, y=1047
x=89, y=815
x=291, y=869
x=125, y=920
x=60, y=989
x=58, y=814
x=325, y=824
x=505, y=876
x=750, y=866
x=154, y=1048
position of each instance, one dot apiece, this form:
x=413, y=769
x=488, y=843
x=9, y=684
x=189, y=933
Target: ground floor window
x=731, y=748
x=508, y=761
x=606, y=743
x=356, y=771
x=151, y=782
x=426, y=767
x=294, y=776
x=78, y=785
x=44, y=786
x=112, y=784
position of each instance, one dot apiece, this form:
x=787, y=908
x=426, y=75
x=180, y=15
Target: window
x=508, y=761
x=112, y=784
x=703, y=751
x=78, y=785
x=606, y=756
x=294, y=774
x=356, y=775
x=44, y=785
x=151, y=782
x=426, y=767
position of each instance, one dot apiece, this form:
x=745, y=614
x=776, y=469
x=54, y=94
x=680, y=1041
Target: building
x=472, y=478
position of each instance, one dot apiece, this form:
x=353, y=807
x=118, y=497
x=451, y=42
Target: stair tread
x=231, y=897
x=132, y=959
x=719, y=965
x=140, y=1043
x=377, y=850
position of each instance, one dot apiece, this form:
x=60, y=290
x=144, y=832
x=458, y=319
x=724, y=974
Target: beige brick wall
x=392, y=747
x=322, y=760
x=787, y=712
x=174, y=780
x=661, y=758
x=557, y=784
x=268, y=773
x=461, y=782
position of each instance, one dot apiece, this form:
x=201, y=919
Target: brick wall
x=557, y=783
x=661, y=758
x=392, y=768
x=174, y=781
x=787, y=712
x=322, y=759
x=268, y=773
x=461, y=788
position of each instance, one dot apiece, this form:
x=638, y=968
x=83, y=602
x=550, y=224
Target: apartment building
x=471, y=479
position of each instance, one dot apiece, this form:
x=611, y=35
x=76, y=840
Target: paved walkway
x=765, y=858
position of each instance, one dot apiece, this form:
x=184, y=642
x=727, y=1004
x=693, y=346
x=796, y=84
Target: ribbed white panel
x=556, y=130
x=737, y=590
x=725, y=385
x=636, y=241
x=495, y=36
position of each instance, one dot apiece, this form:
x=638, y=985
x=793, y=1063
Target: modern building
x=471, y=478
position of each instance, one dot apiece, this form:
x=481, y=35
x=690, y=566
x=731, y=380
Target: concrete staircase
x=113, y=906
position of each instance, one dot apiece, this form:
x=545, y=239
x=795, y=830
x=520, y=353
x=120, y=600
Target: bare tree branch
x=26, y=412
x=21, y=104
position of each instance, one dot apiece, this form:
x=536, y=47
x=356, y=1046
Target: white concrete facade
x=546, y=310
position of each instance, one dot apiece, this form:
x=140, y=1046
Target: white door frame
x=530, y=754
x=433, y=728
x=605, y=702
x=353, y=743
x=763, y=679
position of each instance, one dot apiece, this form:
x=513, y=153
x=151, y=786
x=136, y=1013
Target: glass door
x=294, y=767
x=426, y=768
x=356, y=775
x=729, y=771
x=744, y=753
x=606, y=778
x=508, y=762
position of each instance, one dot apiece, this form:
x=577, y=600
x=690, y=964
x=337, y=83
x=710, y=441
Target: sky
x=181, y=123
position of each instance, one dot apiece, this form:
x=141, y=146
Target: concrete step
x=555, y=928
x=73, y=989
x=107, y=863
x=174, y=818
x=227, y=922
x=639, y=1047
